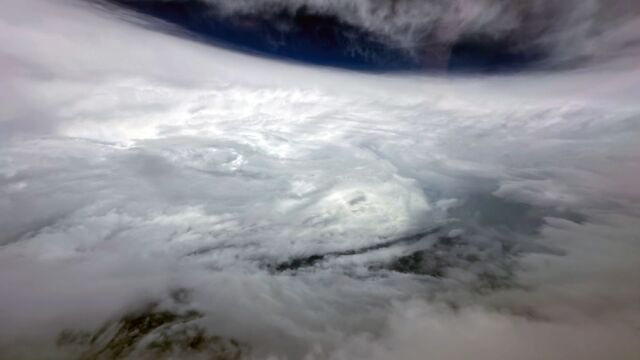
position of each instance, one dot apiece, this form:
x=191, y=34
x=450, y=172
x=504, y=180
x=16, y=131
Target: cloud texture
x=134, y=163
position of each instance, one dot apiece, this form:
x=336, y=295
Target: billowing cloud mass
x=310, y=212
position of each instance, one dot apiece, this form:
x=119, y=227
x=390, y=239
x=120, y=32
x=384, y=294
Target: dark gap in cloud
x=490, y=211
x=152, y=332
x=308, y=261
x=485, y=238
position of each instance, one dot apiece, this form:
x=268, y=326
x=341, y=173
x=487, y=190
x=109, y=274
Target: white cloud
x=133, y=162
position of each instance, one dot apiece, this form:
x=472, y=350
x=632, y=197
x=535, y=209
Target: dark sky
x=321, y=39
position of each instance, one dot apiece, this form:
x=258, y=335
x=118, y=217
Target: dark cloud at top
x=461, y=35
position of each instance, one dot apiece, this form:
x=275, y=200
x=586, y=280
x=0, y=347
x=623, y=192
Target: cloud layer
x=134, y=163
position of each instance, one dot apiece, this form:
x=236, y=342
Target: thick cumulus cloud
x=311, y=212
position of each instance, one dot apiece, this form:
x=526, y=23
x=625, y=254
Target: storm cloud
x=312, y=212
